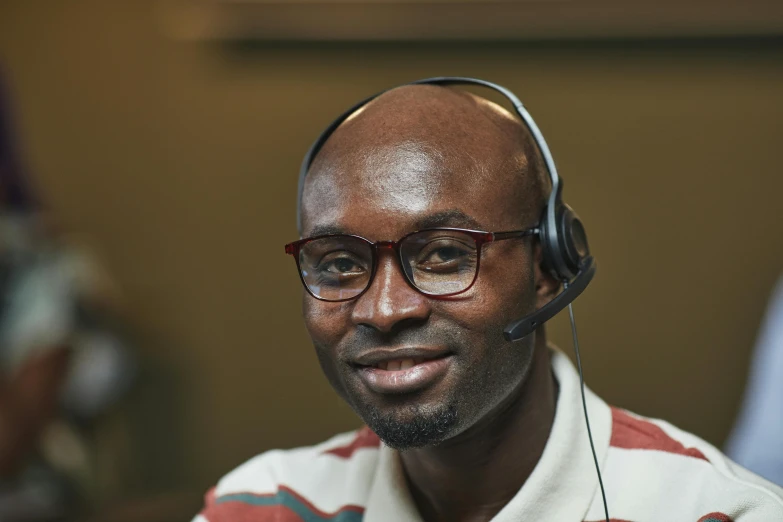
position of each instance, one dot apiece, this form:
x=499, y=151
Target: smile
x=390, y=375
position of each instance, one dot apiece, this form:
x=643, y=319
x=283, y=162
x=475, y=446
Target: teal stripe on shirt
x=284, y=498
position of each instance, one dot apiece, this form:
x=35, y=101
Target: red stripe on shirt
x=365, y=438
x=209, y=498
x=628, y=432
x=240, y=512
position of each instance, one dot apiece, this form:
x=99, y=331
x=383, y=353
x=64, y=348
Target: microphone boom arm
x=525, y=326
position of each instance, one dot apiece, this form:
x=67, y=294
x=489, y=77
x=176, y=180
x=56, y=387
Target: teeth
x=400, y=364
x=407, y=363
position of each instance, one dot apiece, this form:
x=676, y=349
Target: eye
x=340, y=263
x=445, y=255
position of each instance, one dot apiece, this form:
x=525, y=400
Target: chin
x=412, y=425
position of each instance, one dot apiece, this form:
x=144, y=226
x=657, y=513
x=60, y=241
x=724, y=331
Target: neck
x=472, y=476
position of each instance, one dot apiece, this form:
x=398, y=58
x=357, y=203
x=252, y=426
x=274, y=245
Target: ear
x=547, y=287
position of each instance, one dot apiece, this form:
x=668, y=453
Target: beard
x=484, y=372
x=420, y=427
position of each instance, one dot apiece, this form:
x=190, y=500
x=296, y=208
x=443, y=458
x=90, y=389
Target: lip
x=389, y=382
x=381, y=355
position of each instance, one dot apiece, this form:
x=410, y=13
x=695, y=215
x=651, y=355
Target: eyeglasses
x=438, y=262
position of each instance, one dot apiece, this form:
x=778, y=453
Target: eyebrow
x=446, y=218
x=326, y=230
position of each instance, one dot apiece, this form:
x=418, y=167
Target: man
x=462, y=424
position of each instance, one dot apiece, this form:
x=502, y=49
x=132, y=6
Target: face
x=420, y=370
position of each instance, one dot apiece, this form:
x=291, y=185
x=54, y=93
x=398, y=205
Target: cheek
x=327, y=323
x=510, y=280
x=502, y=293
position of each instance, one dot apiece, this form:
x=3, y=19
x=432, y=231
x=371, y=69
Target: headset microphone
x=525, y=326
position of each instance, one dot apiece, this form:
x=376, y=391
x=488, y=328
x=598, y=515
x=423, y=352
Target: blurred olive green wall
x=179, y=161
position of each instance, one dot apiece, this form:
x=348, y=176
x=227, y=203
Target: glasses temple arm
x=499, y=236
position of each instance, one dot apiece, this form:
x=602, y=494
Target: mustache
x=364, y=339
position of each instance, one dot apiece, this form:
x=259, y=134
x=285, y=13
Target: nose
x=390, y=301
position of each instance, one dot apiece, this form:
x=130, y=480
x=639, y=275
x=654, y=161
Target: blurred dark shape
x=15, y=194
x=757, y=439
x=64, y=359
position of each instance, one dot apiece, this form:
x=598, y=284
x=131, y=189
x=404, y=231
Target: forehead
x=413, y=152
x=386, y=190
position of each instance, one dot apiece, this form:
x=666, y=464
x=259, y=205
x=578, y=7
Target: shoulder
x=654, y=467
x=323, y=481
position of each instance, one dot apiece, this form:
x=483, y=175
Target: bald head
x=412, y=144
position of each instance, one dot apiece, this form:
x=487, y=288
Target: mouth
x=402, y=370
x=399, y=365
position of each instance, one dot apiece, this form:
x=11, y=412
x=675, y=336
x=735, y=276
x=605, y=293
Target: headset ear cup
x=573, y=241
x=548, y=244
x=566, y=245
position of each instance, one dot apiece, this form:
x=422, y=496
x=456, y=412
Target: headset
x=566, y=254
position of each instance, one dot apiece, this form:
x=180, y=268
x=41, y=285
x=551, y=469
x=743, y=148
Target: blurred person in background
x=757, y=439
x=63, y=356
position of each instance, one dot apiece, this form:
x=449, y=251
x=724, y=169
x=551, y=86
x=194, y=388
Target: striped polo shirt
x=652, y=472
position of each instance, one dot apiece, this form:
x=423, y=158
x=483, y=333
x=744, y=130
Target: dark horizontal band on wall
x=414, y=20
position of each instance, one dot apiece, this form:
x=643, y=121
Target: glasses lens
x=336, y=268
x=440, y=262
